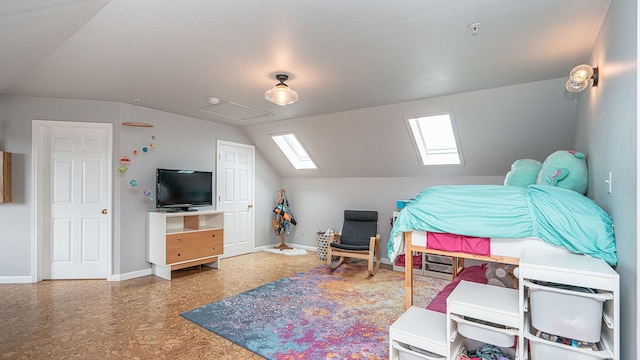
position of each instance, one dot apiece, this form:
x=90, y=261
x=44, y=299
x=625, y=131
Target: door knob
x=250, y=206
x=104, y=211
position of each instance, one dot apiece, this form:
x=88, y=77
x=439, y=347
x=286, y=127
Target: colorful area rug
x=317, y=314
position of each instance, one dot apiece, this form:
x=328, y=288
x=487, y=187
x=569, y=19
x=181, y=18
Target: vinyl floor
x=132, y=319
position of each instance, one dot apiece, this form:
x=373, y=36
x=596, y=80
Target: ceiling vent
x=234, y=111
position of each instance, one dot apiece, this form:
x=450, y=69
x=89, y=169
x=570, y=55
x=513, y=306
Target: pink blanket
x=459, y=243
x=472, y=273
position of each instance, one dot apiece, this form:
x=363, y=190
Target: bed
x=510, y=218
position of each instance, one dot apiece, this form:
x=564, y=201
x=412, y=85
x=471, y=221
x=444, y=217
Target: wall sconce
x=580, y=76
x=281, y=94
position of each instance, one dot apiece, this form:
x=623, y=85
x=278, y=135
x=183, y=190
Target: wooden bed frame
x=457, y=264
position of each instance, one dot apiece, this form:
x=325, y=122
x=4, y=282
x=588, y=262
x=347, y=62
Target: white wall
x=319, y=203
x=181, y=142
x=607, y=131
x=15, y=218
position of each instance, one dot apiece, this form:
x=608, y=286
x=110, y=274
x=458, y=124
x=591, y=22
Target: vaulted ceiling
x=341, y=55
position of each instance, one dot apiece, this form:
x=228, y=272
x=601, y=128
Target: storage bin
x=440, y=268
x=322, y=246
x=541, y=349
x=416, y=261
x=568, y=311
x=473, y=345
x=472, y=329
x=440, y=259
x=407, y=352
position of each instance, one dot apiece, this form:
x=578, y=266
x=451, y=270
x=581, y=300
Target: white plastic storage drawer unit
x=568, y=311
x=419, y=334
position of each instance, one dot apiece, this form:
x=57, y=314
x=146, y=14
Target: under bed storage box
x=447, y=269
x=568, y=311
x=440, y=259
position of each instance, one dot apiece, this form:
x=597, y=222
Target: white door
x=76, y=174
x=235, y=195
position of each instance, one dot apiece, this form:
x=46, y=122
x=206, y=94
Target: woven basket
x=322, y=242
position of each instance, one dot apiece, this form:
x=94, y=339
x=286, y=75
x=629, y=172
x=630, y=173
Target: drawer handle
x=213, y=235
x=179, y=254
x=179, y=240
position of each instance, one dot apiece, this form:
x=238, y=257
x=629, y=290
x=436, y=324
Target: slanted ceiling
x=341, y=55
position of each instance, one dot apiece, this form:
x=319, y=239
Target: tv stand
x=177, y=240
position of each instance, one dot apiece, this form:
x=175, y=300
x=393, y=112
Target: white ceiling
x=340, y=55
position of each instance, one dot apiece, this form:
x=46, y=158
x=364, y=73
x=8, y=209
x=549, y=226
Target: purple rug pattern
x=316, y=314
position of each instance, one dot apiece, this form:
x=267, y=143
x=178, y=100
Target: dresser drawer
x=193, y=245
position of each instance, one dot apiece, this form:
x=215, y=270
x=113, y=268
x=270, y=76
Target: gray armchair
x=358, y=238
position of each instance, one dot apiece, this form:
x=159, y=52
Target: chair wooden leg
x=333, y=265
x=330, y=263
x=375, y=245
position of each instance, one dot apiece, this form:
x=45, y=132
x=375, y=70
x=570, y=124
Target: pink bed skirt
x=459, y=243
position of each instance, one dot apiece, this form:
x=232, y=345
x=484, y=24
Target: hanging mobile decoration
x=125, y=160
x=284, y=217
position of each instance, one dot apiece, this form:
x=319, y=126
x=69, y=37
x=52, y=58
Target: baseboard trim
x=130, y=275
x=16, y=279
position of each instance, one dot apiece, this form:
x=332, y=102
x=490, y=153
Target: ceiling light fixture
x=580, y=76
x=281, y=94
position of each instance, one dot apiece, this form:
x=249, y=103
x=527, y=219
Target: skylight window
x=293, y=150
x=435, y=139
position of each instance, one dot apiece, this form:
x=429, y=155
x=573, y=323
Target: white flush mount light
x=281, y=94
x=580, y=77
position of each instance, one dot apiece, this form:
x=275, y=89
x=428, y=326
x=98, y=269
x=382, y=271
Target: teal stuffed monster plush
x=524, y=172
x=566, y=169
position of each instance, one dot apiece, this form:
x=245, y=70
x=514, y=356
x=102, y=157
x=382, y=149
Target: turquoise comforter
x=558, y=216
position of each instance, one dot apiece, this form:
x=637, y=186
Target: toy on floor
x=501, y=275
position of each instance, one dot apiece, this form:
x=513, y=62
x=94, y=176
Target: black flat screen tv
x=181, y=190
